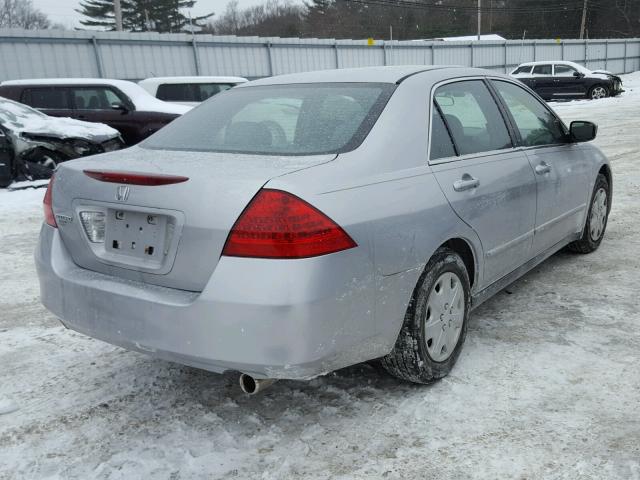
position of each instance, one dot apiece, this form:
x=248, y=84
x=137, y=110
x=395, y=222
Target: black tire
x=410, y=360
x=587, y=243
x=593, y=89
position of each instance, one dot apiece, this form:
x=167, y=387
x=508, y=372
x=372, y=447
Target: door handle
x=543, y=168
x=466, y=183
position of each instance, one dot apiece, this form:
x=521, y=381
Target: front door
x=560, y=171
x=570, y=83
x=488, y=183
x=95, y=104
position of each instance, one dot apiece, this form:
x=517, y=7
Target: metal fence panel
x=49, y=53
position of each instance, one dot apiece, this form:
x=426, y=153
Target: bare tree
x=22, y=14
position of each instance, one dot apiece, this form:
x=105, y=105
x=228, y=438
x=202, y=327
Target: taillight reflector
x=47, y=203
x=278, y=224
x=133, y=178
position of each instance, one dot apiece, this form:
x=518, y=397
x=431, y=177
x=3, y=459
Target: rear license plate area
x=138, y=235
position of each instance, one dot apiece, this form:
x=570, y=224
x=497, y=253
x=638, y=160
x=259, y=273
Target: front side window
x=94, y=98
x=46, y=98
x=536, y=124
x=473, y=118
x=542, y=70
x=301, y=119
x=564, y=71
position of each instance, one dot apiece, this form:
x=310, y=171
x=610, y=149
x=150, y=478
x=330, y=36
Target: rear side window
x=536, y=124
x=190, y=92
x=542, y=70
x=51, y=98
x=441, y=143
x=473, y=118
x=524, y=69
x=300, y=119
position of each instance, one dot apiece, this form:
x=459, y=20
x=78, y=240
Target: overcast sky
x=62, y=11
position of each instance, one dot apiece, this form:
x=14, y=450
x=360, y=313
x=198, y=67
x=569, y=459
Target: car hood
x=64, y=128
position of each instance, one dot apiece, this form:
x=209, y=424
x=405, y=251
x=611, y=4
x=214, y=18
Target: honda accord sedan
x=298, y=224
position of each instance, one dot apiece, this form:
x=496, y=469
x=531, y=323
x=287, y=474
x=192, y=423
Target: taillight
x=49, y=217
x=278, y=224
x=134, y=178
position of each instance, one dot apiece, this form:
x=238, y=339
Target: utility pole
x=117, y=10
x=584, y=19
x=480, y=18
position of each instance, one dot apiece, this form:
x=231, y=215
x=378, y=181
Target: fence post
x=196, y=57
x=384, y=54
x=268, y=45
x=562, y=50
x=606, y=54
x=586, y=53
x=506, y=58
x=535, y=51
x=337, y=56
x=96, y=52
x=472, y=54
x=624, y=69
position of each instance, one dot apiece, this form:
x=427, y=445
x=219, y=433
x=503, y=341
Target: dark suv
x=122, y=105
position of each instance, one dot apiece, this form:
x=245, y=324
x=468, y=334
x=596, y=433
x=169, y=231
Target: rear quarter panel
x=386, y=197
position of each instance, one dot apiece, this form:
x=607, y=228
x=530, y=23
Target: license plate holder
x=137, y=235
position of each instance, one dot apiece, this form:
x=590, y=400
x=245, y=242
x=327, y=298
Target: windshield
x=14, y=115
x=301, y=119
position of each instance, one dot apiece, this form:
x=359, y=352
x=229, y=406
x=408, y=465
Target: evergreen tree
x=141, y=15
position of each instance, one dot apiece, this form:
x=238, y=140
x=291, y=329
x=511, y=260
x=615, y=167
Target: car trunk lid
x=168, y=234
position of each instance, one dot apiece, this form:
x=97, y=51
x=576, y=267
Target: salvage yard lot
x=547, y=386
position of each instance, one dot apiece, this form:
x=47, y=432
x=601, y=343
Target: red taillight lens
x=49, y=218
x=277, y=224
x=133, y=178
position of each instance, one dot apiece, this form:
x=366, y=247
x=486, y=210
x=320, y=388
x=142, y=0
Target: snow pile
x=20, y=118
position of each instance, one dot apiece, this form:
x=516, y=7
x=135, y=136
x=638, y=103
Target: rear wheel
x=435, y=324
x=598, y=91
x=596, y=218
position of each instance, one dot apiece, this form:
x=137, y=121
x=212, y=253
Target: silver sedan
x=299, y=224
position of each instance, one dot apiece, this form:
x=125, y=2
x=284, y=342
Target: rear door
x=562, y=174
x=488, y=183
x=569, y=82
x=54, y=101
x=543, y=81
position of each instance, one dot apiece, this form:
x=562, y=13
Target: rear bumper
x=270, y=318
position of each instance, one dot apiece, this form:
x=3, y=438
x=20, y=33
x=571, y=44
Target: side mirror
x=581, y=131
x=578, y=75
x=119, y=106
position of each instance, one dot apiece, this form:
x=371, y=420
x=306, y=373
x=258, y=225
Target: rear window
x=52, y=98
x=190, y=92
x=542, y=70
x=524, y=69
x=302, y=119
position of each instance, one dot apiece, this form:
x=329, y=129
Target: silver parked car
x=298, y=224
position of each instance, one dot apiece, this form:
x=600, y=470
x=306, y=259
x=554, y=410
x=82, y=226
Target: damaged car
x=32, y=143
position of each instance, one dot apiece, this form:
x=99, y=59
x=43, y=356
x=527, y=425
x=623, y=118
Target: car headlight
x=82, y=147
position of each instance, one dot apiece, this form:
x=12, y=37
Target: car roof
x=389, y=74
x=549, y=62
x=194, y=79
x=67, y=81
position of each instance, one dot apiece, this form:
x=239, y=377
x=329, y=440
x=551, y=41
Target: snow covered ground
x=547, y=387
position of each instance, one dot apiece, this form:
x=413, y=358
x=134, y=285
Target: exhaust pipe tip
x=251, y=386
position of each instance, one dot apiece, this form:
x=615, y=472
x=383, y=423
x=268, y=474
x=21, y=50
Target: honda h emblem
x=122, y=194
